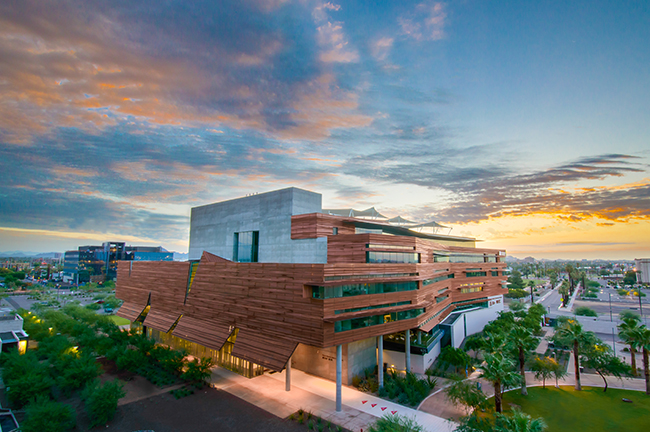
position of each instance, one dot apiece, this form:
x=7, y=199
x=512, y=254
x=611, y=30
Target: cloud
x=381, y=48
x=92, y=64
x=476, y=192
x=426, y=22
x=331, y=37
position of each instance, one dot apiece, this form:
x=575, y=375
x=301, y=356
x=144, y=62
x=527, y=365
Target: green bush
x=516, y=293
x=25, y=377
x=591, y=295
x=198, y=370
x=586, y=311
x=93, y=306
x=395, y=423
x=101, y=401
x=43, y=414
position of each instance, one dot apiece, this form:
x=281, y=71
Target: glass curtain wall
x=223, y=357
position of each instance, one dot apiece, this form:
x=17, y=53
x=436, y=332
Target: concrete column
x=407, y=349
x=419, y=337
x=380, y=360
x=287, y=383
x=339, y=367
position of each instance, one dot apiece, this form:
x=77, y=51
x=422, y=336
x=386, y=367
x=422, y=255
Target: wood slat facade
x=272, y=306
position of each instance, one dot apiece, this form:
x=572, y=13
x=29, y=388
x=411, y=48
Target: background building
x=99, y=263
x=273, y=277
x=642, y=267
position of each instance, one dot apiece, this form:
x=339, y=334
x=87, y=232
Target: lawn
x=565, y=409
x=119, y=320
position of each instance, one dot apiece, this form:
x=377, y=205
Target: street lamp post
x=610, y=307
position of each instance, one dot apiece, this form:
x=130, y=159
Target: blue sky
x=523, y=123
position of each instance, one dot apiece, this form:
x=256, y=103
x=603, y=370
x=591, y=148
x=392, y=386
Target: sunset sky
x=525, y=124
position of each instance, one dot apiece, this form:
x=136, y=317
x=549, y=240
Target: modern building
x=274, y=282
x=12, y=334
x=90, y=263
x=642, y=268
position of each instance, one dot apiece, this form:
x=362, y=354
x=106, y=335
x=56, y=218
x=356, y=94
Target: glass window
x=361, y=289
x=476, y=274
x=246, y=246
x=392, y=257
x=357, y=323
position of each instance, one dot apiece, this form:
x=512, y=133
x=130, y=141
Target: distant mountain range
x=178, y=256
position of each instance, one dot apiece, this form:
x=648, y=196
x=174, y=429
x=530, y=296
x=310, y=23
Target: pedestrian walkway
x=317, y=395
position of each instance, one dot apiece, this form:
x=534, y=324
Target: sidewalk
x=317, y=395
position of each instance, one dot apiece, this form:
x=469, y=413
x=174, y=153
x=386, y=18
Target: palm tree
x=641, y=338
x=518, y=422
x=564, y=292
x=572, y=331
x=499, y=370
x=521, y=340
x=626, y=332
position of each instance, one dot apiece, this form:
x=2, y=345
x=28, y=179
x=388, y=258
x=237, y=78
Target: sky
x=524, y=124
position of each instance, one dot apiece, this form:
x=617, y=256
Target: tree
x=25, y=377
x=499, y=370
x=630, y=278
x=564, y=292
x=573, y=333
x=626, y=331
x=531, y=285
x=101, y=400
x=543, y=368
x=517, y=421
x=517, y=306
x=554, y=278
x=641, y=338
x=515, y=281
x=465, y=392
x=43, y=414
x=455, y=357
x=521, y=340
x=599, y=357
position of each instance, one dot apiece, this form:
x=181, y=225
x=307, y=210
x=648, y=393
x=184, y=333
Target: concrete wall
x=419, y=363
x=361, y=355
x=473, y=321
x=357, y=356
x=212, y=227
x=320, y=361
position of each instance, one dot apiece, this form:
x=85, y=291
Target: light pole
x=610, y=308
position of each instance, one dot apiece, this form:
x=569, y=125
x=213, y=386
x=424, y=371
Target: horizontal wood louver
x=130, y=310
x=272, y=353
x=202, y=332
x=160, y=320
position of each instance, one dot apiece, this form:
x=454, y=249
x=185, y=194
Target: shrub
x=198, y=370
x=516, y=293
x=586, y=311
x=591, y=295
x=101, y=400
x=517, y=306
x=93, y=306
x=394, y=423
x=44, y=414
